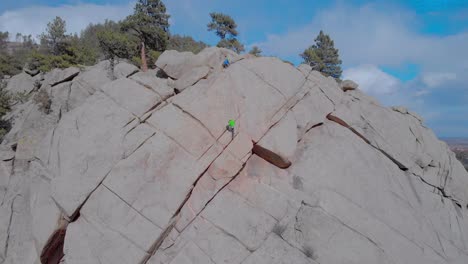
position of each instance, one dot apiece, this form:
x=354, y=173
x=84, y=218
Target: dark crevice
x=271, y=157
x=175, y=216
x=309, y=129
x=10, y=221
x=344, y=124
x=132, y=73
x=69, y=78
x=217, y=192
x=52, y=253
x=194, y=118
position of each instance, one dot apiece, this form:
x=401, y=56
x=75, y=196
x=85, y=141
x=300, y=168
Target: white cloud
x=372, y=80
x=434, y=79
x=421, y=93
x=33, y=20
x=377, y=35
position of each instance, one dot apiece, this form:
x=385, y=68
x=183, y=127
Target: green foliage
x=54, y=39
x=45, y=62
x=185, y=43
x=19, y=98
x=9, y=65
x=116, y=44
x=231, y=44
x=149, y=23
x=223, y=25
x=3, y=40
x=5, y=107
x=256, y=51
x=153, y=56
x=323, y=56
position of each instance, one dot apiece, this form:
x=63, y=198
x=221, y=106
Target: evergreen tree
x=116, y=44
x=226, y=28
x=185, y=43
x=232, y=44
x=54, y=39
x=223, y=25
x=323, y=56
x=256, y=51
x=3, y=40
x=150, y=23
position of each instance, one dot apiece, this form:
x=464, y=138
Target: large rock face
x=133, y=168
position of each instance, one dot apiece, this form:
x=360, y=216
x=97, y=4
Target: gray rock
x=176, y=64
x=191, y=77
x=57, y=76
x=124, y=70
x=21, y=83
x=149, y=80
x=132, y=173
x=136, y=98
x=348, y=85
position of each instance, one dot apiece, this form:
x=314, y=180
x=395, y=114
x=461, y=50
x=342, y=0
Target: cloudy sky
x=406, y=52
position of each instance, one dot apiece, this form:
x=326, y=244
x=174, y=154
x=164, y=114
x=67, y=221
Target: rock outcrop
x=134, y=168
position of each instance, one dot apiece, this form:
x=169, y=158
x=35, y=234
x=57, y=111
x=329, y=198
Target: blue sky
x=412, y=53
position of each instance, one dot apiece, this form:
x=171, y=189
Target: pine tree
x=256, y=51
x=323, y=56
x=150, y=23
x=54, y=40
x=226, y=28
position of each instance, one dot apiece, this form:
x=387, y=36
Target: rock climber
x=230, y=127
x=226, y=62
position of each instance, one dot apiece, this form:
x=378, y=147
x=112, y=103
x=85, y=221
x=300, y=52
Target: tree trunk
x=144, y=65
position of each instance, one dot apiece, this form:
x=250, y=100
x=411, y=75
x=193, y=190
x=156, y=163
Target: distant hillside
x=460, y=147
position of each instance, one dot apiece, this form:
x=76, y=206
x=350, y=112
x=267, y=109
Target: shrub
x=42, y=98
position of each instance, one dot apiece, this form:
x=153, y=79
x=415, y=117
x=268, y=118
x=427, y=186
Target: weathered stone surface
x=155, y=179
x=88, y=82
x=401, y=137
x=21, y=83
x=85, y=146
x=311, y=110
x=277, y=251
x=191, y=77
x=149, y=80
x=136, y=98
x=57, y=76
x=348, y=85
x=242, y=220
x=279, y=143
x=184, y=129
x=176, y=64
x=230, y=96
x=135, y=174
x=305, y=69
x=124, y=69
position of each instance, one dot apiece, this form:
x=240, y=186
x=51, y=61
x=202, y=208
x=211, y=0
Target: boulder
x=57, y=76
x=124, y=70
x=348, y=85
x=21, y=83
x=88, y=82
x=176, y=64
x=31, y=72
x=122, y=89
x=191, y=77
x=149, y=80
